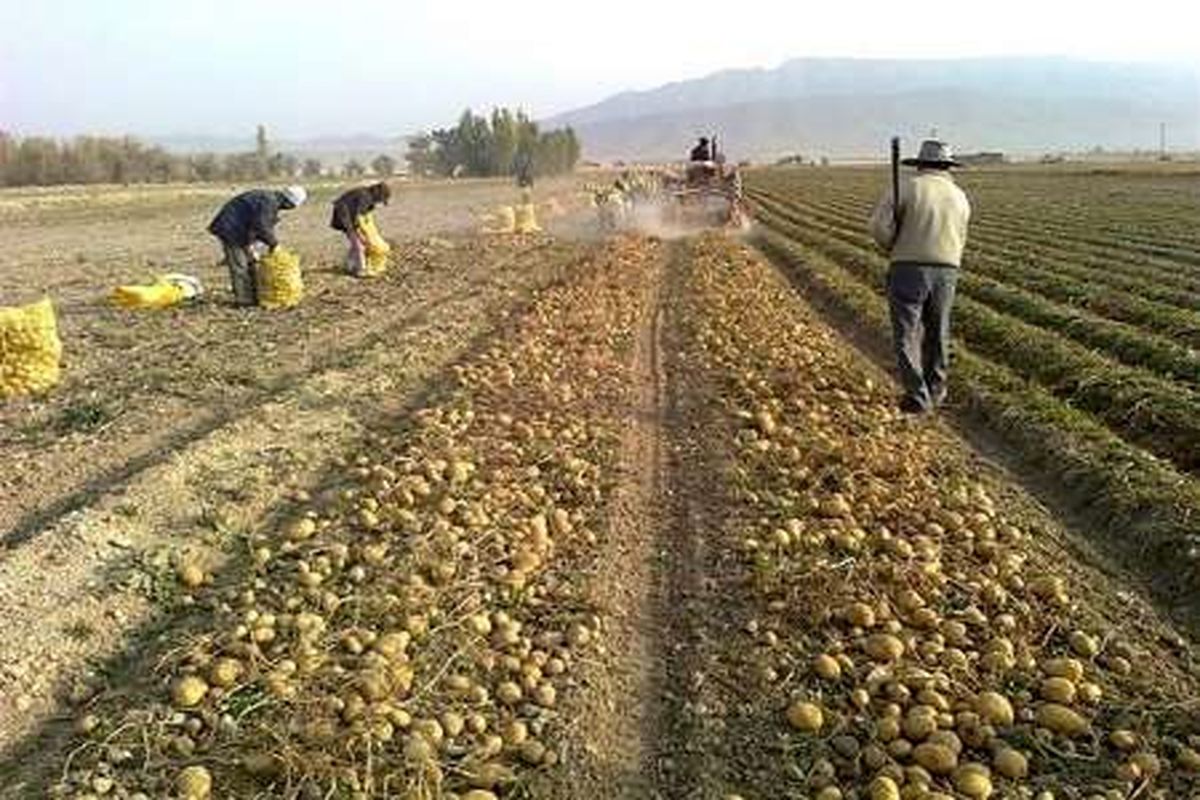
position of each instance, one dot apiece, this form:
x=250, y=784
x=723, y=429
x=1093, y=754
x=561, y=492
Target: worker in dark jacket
x=522, y=167
x=246, y=220
x=347, y=208
x=702, y=152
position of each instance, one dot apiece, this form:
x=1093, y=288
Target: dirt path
x=613, y=741
x=684, y=611
x=648, y=725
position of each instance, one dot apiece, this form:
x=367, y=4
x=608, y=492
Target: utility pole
x=1162, y=141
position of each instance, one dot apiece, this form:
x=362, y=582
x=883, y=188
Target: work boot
x=911, y=405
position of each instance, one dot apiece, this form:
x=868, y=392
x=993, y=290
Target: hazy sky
x=317, y=67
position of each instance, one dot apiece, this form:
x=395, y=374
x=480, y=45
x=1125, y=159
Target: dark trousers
x=243, y=279
x=919, y=298
x=356, y=257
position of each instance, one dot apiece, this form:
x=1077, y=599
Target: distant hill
x=847, y=108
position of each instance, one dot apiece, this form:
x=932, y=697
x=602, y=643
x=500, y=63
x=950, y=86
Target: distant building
x=982, y=159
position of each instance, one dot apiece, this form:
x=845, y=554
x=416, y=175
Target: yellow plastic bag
x=525, y=219
x=155, y=295
x=166, y=291
x=30, y=350
x=377, y=247
x=280, y=283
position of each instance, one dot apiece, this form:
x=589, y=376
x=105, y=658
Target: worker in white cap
x=247, y=219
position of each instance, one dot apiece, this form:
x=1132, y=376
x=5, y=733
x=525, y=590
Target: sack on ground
x=30, y=350
x=525, y=219
x=280, y=283
x=377, y=248
x=166, y=291
x=154, y=295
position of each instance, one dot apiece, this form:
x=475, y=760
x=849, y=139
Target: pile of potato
x=917, y=634
x=412, y=630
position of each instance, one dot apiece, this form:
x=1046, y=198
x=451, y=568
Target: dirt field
x=552, y=516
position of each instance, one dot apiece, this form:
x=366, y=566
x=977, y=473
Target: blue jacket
x=250, y=217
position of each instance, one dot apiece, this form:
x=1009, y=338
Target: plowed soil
x=538, y=517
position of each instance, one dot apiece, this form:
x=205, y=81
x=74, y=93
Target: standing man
x=247, y=219
x=924, y=234
x=347, y=208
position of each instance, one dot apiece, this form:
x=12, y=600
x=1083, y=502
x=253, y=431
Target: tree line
x=482, y=146
x=477, y=146
x=44, y=161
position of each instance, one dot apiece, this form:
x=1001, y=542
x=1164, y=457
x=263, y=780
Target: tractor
x=708, y=193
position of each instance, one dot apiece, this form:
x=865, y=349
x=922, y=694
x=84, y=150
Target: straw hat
x=933, y=153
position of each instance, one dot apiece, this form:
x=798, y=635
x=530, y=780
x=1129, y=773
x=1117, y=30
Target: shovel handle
x=896, y=185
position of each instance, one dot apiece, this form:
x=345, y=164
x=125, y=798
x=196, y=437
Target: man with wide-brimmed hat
x=924, y=232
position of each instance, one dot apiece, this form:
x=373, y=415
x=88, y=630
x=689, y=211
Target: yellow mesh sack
x=280, y=283
x=155, y=295
x=30, y=350
x=525, y=219
x=372, y=236
x=377, y=248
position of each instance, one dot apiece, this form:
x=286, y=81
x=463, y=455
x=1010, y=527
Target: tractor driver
x=701, y=152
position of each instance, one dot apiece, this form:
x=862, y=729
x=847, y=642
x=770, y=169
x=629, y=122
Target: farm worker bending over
x=245, y=220
x=523, y=168
x=347, y=208
x=925, y=252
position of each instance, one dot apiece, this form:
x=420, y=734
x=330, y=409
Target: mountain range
x=848, y=108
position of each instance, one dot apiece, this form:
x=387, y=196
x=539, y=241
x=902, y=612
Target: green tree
x=475, y=139
x=7, y=153
x=504, y=141
x=353, y=169
x=383, y=165
x=311, y=168
x=421, y=157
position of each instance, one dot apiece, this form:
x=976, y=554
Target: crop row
x=1164, y=229
x=411, y=629
x=905, y=619
x=1047, y=228
x=1126, y=343
x=1028, y=239
x=1116, y=305
x=1140, y=500
x=1159, y=415
x=1023, y=240
x=1113, y=241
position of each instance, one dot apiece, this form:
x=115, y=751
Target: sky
x=309, y=68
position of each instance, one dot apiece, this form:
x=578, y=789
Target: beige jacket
x=933, y=220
